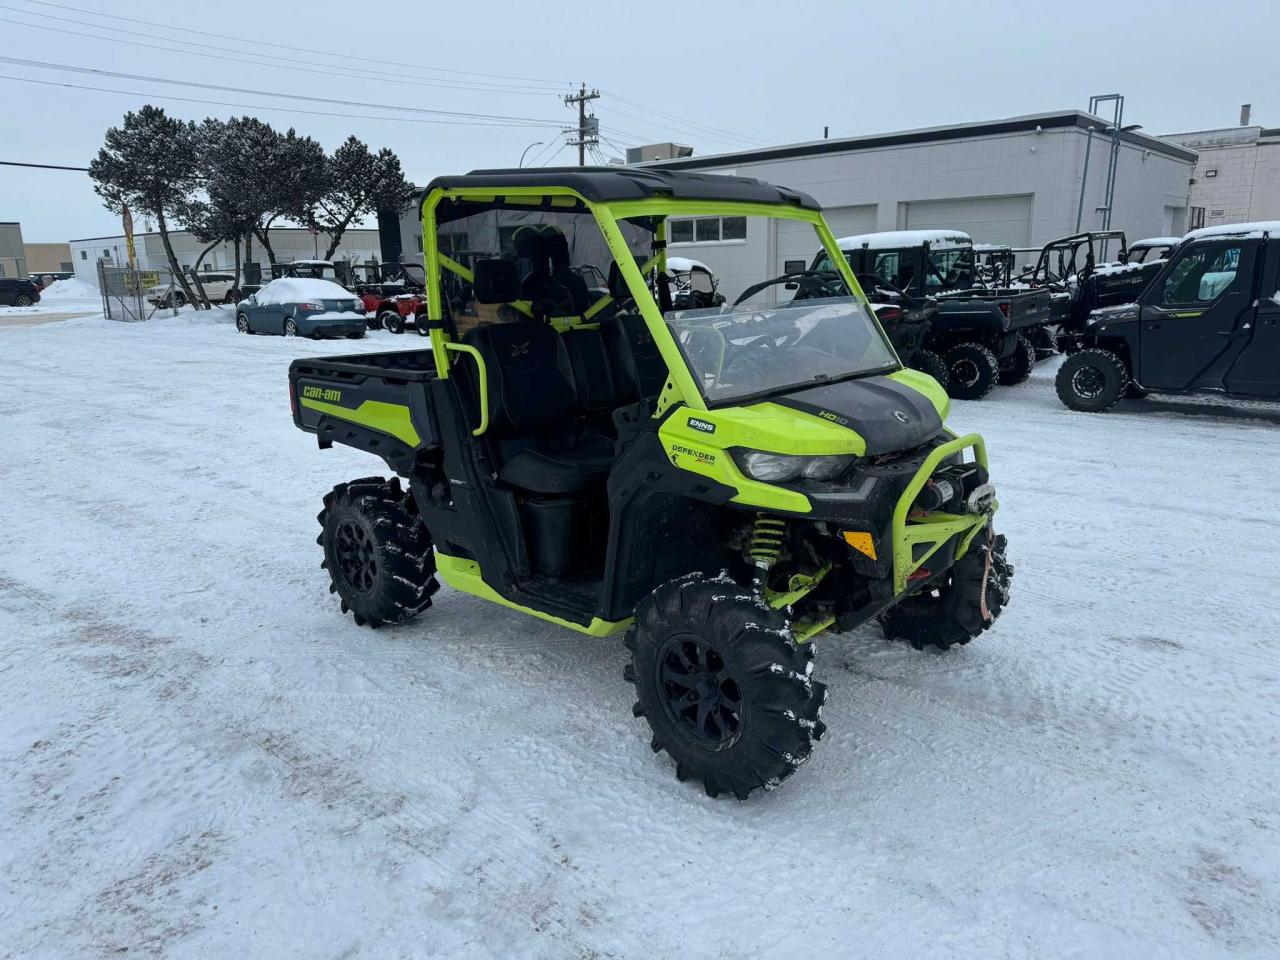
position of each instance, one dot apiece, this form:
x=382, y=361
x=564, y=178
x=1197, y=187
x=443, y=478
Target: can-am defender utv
x=724, y=484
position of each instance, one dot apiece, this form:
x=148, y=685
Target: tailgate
x=369, y=401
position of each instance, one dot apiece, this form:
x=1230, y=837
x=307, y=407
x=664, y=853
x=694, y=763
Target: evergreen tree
x=357, y=184
x=150, y=164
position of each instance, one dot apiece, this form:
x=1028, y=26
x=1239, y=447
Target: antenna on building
x=1246, y=112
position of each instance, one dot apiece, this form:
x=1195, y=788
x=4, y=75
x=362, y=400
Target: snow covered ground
x=200, y=757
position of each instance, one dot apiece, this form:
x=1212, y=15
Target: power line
x=682, y=121
x=289, y=110
x=167, y=45
x=281, y=46
x=41, y=166
x=94, y=71
x=736, y=143
x=554, y=155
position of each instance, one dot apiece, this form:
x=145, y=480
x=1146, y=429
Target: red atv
x=394, y=301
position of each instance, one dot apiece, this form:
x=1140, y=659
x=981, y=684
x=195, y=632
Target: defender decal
x=701, y=456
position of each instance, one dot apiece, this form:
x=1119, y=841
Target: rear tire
x=242, y=323
x=724, y=687
x=290, y=328
x=22, y=300
x=1017, y=368
x=1092, y=381
x=972, y=371
x=377, y=551
x=952, y=612
x=926, y=361
x=391, y=321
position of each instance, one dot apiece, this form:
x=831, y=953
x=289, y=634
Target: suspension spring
x=766, y=542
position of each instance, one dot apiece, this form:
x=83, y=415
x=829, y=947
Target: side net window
x=505, y=265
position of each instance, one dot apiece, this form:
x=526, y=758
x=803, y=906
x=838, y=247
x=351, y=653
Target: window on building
x=707, y=230
x=84, y=254
x=1197, y=218
x=420, y=243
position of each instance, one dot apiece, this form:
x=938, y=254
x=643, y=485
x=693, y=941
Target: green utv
x=722, y=484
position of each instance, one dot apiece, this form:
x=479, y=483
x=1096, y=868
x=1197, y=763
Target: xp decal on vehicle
x=722, y=482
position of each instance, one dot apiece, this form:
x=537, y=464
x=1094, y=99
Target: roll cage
x=609, y=196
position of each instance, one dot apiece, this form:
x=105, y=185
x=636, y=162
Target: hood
x=890, y=413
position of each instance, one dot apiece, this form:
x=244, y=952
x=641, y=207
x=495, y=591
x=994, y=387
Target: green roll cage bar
x=680, y=385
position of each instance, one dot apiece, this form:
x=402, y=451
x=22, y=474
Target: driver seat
x=532, y=398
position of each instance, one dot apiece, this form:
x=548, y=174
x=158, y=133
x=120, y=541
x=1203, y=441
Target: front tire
x=1017, y=368
x=972, y=371
x=961, y=605
x=926, y=361
x=391, y=321
x=377, y=550
x=725, y=689
x=1092, y=381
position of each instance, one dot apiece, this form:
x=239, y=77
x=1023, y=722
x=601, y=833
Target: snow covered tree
x=233, y=179
x=149, y=164
x=358, y=184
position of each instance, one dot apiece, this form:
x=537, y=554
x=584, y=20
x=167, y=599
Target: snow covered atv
x=722, y=484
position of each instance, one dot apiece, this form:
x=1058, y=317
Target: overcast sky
x=716, y=75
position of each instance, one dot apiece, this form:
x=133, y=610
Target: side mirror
x=791, y=285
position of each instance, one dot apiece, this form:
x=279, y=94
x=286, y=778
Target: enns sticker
x=706, y=426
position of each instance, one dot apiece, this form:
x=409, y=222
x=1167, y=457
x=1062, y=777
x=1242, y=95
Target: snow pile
x=895, y=239
x=301, y=290
x=70, y=289
x=1112, y=269
x=1156, y=242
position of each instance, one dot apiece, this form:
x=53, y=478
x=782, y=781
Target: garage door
x=794, y=242
x=986, y=219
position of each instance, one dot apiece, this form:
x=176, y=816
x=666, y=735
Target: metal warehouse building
x=1015, y=181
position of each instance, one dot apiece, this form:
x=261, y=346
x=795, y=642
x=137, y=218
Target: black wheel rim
x=1088, y=382
x=964, y=372
x=356, y=556
x=699, y=691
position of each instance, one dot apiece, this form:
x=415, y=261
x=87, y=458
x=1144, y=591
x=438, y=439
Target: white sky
x=772, y=72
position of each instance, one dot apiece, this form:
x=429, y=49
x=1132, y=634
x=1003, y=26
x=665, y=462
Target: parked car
x=43, y=280
x=1209, y=321
x=294, y=306
x=18, y=292
x=218, y=287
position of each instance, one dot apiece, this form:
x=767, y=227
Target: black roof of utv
x=605, y=184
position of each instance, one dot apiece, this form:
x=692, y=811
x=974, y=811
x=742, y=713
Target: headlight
x=780, y=467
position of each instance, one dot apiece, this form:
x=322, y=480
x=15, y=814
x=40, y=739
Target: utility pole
x=588, y=126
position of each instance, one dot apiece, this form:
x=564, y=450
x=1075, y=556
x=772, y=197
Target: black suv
x=1208, y=321
x=18, y=292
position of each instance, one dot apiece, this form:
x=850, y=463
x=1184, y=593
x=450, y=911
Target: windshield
x=949, y=269
x=741, y=351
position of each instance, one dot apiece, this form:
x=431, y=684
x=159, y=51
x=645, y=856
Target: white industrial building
x=358, y=245
x=1015, y=181
x=1237, y=176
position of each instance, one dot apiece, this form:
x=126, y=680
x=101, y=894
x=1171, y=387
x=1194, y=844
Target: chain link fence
x=130, y=296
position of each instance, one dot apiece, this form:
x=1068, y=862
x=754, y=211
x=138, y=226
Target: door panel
x=1198, y=318
x=1256, y=372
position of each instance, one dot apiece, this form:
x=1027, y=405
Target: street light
x=536, y=143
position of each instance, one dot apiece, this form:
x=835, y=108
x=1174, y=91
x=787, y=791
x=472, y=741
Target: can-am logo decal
x=705, y=426
x=321, y=393
x=901, y=417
